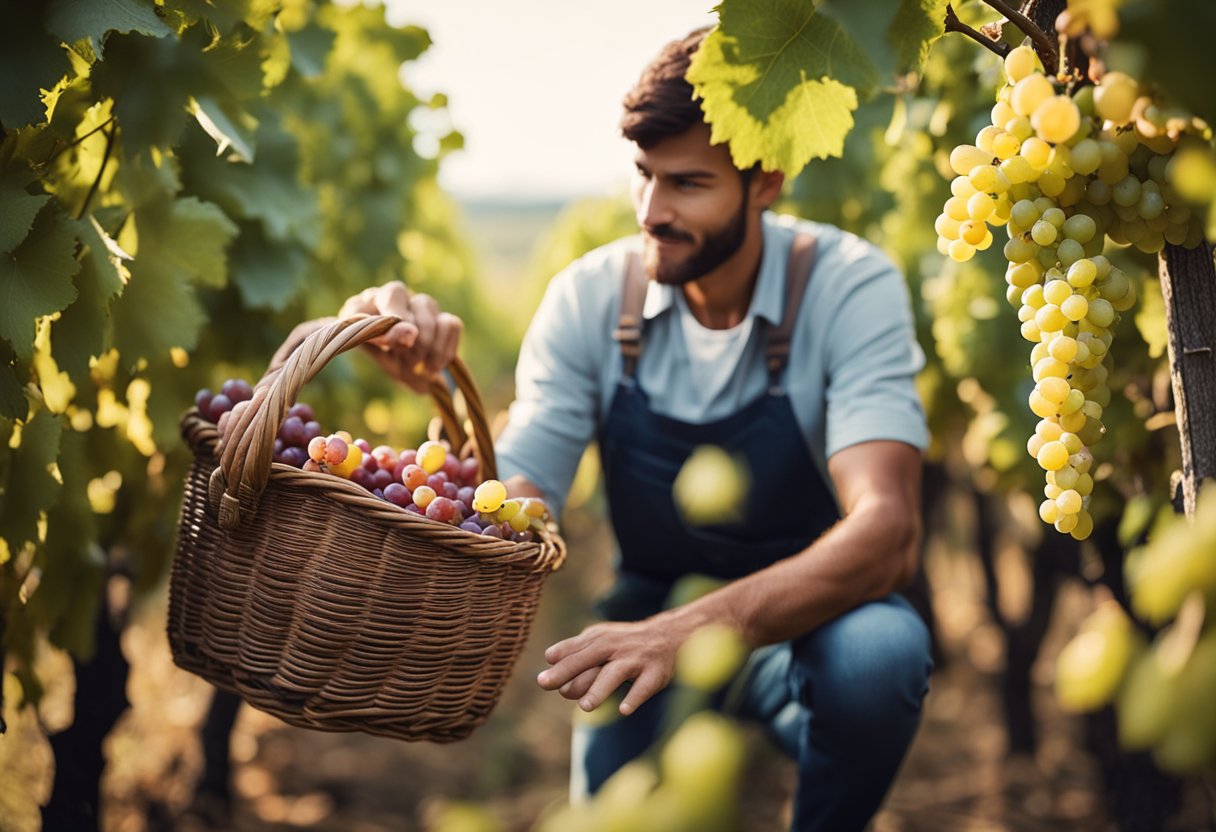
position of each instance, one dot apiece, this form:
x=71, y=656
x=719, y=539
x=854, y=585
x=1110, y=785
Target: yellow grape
x=1019, y=63
x=1036, y=152
x=1075, y=307
x=1054, y=389
x=1052, y=455
x=1029, y=93
x=1005, y=146
x=1114, y=97
x=489, y=496
x=961, y=251
x=710, y=657
x=1066, y=523
x=1069, y=502
x=1084, y=527
x=1049, y=512
x=966, y=157
x=431, y=456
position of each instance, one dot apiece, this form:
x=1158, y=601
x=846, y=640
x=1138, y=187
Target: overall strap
x=629, y=326
x=798, y=275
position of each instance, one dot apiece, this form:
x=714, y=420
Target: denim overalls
x=843, y=700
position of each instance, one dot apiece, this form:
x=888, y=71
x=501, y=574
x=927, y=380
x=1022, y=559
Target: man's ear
x=766, y=187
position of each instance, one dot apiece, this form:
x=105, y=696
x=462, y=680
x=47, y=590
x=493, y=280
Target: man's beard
x=713, y=252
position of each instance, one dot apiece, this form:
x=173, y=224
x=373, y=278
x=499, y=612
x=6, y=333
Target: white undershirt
x=713, y=354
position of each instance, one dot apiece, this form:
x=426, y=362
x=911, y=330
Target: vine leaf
x=30, y=61
x=83, y=330
x=74, y=565
x=36, y=278
x=234, y=131
x=72, y=21
x=32, y=486
x=17, y=212
x=13, y=404
x=186, y=244
x=780, y=79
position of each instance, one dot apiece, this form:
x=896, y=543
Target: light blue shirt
x=850, y=378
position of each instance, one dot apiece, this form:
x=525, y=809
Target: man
x=704, y=330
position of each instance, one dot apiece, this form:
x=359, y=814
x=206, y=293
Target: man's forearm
x=866, y=556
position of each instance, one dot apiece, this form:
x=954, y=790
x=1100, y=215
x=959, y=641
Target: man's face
x=691, y=206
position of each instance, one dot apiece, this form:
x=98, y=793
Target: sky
x=535, y=86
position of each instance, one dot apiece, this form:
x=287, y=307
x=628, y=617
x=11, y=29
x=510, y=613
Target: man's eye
x=687, y=184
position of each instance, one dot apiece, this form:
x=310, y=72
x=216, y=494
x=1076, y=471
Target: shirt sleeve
x=555, y=411
x=873, y=358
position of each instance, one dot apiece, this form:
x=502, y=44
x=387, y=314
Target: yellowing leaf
x=774, y=107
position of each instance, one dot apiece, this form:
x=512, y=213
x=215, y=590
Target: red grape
x=413, y=476
x=336, y=450
x=468, y=471
x=397, y=494
x=441, y=509
x=302, y=411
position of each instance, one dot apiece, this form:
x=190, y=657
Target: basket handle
x=247, y=453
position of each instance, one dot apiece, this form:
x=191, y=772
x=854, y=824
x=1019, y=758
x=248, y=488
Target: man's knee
x=866, y=673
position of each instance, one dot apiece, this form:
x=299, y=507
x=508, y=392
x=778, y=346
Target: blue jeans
x=843, y=700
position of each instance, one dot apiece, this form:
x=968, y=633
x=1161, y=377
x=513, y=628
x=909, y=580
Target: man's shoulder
x=844, y=263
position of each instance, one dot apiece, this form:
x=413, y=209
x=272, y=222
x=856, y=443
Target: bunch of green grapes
x=1063, y=174
x=1164, y=690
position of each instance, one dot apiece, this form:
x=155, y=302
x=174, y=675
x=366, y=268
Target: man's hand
x=415, y=350
x=593, y=664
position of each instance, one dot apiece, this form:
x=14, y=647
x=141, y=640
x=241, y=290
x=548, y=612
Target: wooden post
x=1188, y=283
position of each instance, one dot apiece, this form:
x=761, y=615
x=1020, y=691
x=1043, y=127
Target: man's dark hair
x=661, y=103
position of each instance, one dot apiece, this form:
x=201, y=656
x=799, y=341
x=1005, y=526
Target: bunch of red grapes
x=429, y=480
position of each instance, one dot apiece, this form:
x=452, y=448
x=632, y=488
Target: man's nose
x=654, y=208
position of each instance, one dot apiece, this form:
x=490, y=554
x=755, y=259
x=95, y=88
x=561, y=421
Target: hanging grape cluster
x=1063, y=173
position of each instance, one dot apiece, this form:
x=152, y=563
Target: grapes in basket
x=429, y=480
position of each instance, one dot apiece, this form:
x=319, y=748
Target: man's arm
x=871, y=552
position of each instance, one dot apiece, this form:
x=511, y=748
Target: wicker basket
x=331, y=608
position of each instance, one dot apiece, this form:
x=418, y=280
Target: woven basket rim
x=548, y=553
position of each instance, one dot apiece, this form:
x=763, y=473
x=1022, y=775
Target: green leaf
x=74, y=564
x=36, y=279
x=780, y=79
x=917, y=24
x=189, y=236
x=309, y=48
x=72, y=20
x=17, y=212
x=778, y=121
x=151, y=81
x=268, y=190
x=31, y=487
x=267, y=272
x=13, y=403
x=30, y=61
x=83, y=330
x=235, y=131
x=157, y=311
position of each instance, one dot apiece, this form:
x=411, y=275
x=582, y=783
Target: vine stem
x=105, y=160
x=78, y=140
x=953, y=24
x=1046, y=46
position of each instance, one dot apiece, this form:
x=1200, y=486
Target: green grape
x=1043, y=233
x=980, y=206
x=1022, y=275
x=1098, y=192
x=1090, y=667
x=1086, y=157
x=710, y=657
x=1145, y=703
x=1080, y=227
x=1100, y=314
x=982, y=177
x=1051, y=183
x=1054, y=216
x=1126, y=191
x=1020, y=250
x=1024, y=213
x=1069, y=252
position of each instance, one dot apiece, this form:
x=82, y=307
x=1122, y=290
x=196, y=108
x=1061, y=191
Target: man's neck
x=721, y=298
